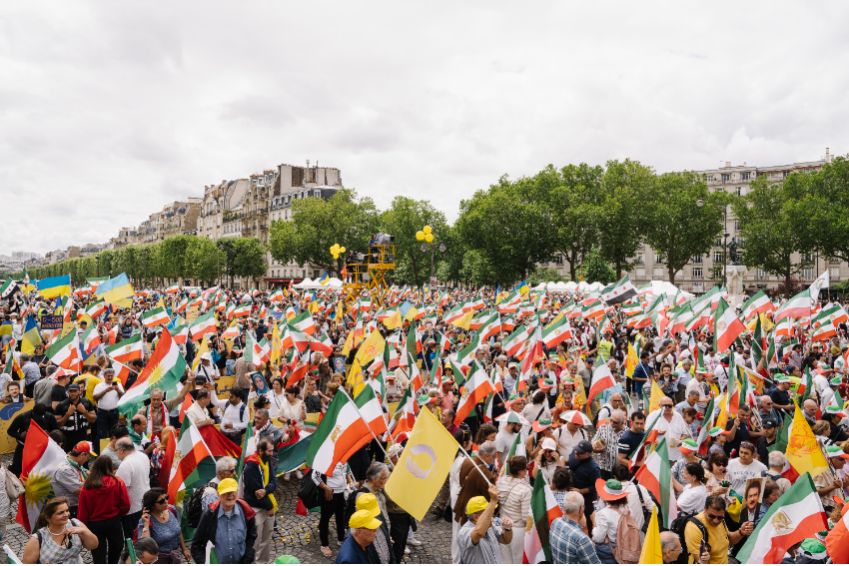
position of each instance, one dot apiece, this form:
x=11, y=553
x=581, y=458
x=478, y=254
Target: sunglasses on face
x=163, y=500
x=713, y=517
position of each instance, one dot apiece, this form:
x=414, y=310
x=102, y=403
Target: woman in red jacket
x=104, y=500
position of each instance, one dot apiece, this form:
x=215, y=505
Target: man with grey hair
x=225, y=467
x=568, y=539
x=135, y=471
x=476, y=476
x=606, y=442
x=670, y=547
x=777, y=463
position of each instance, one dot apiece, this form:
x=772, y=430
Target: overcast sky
x=110, y=110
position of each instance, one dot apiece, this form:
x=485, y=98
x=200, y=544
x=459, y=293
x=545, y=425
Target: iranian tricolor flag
x=405, y=415
x=253, y=350
x=155, y=317
x=837, y=541
x=163, y=371
x=490, y=328
x=704, y=431
x=180, y=333
x=341, y=432
x=90, y=339
x=193, y=463
x=556, y=332
x=475, y=391
x=240, y=311
x=726, y=327
x=42, y=457
x=757, y=303
x=371, y=410
x=130, y=349
x=203, y=325
x=122, y=372
x=602, y=379
x=656, y=476
x=796, y=306
x=65, y=352
x=304, y=323
x=543, y=511
x=619, y=292
x=796, y=515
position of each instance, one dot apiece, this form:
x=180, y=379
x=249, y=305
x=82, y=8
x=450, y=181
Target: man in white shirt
x=568, y=438
x=106, y=394
x=234, y=419
x=197, y=412
x=135, y=471
x=505, y=438
x=671, y=424
x=744, y=467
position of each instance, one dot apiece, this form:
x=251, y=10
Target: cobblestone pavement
x=298, y=536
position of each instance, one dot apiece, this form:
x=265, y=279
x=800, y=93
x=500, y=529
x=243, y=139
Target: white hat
x=549, y=444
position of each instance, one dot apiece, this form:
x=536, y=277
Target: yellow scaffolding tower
x=370, y=275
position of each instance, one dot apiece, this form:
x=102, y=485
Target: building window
x=638, y=260
x=745, y=175
x=697, y=259
x=807, y=257
x=736, y=225
x=716, y=273
x=807, y=273
x=739, y=191
x=697, y=273
x=718, y=256
x=834, y=272
x=833, y=261
x=726, y=177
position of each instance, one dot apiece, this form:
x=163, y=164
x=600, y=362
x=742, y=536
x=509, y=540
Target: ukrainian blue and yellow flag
x=117, y=291
x=324, y=279
x=54, y=286
x=31, y=337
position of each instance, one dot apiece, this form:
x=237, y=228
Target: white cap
x=549, y=444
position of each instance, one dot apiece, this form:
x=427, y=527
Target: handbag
x=14, y=487
x=309, y=492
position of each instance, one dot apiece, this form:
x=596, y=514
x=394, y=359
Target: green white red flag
x=795, y=516
x=602, y=380
x=341, y=432
x=203, y=325
x=727, y=327
x=543, y=511
x=130, y=349
x=155, y=317
x=656, y=476
x=65, y=352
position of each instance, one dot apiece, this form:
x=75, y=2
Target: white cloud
x=109, y=111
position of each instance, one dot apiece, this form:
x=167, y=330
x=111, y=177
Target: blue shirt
x=230, y=535
x=629, y=441
x=569, y=544
x=350, y=552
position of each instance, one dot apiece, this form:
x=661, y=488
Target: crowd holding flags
x=741, y=350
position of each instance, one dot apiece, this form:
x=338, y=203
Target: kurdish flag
x=341, y=432
x=116, y=291
x=53, y=287
x=65, y=352
x=163, y=371
x=42, y=457
x=155, y=317
x=543, y=511
x=130, y=349
x=796, y=515
x=656, y=476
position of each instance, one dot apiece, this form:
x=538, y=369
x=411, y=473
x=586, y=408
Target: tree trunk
x=573, y=265
x=671, y=272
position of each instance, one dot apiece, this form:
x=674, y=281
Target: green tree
x=510, y=225
x=477, y=268
x=574, y=194
x=203, y=260
x=595, y=269
x=317, y=224
x=250, y=259
x=681, y=218
x=769, y=218
x=621, y=221
x=402, y=220
x=172, y=256
x=824, y=210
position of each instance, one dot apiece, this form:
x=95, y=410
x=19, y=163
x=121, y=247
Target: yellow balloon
x=428, y=238
x=342, y=250
x=427, y=229
x=420, y=235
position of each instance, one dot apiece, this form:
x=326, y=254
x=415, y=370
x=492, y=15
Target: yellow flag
x=465, y=321
x=722, y=417
x=393, y=321
x=275, y=345
x=652, y=553
x=803, y=452
x=371, y=348
x=204, y=348
x=411, y=314
x=339, y=311
x=631, y=361
x=424, y=464
x=656, y=395
x=161, y=302
x=355, y=375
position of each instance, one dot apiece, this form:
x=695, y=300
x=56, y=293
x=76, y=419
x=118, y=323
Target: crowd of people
x=536, y=428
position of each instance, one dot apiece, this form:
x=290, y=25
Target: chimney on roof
x=308, y=163
x=827, y=155
x=728, y=164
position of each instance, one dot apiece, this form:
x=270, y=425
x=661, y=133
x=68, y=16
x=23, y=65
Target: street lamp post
x=427, y=237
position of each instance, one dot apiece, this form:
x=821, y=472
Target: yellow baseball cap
x=363, y=519
x=476, y=504
x=368, y=502
x=228, y=485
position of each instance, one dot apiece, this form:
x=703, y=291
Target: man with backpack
x=706, y=535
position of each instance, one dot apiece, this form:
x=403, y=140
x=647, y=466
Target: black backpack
x=194, y=508
x=309, y=492
x=679, y=524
